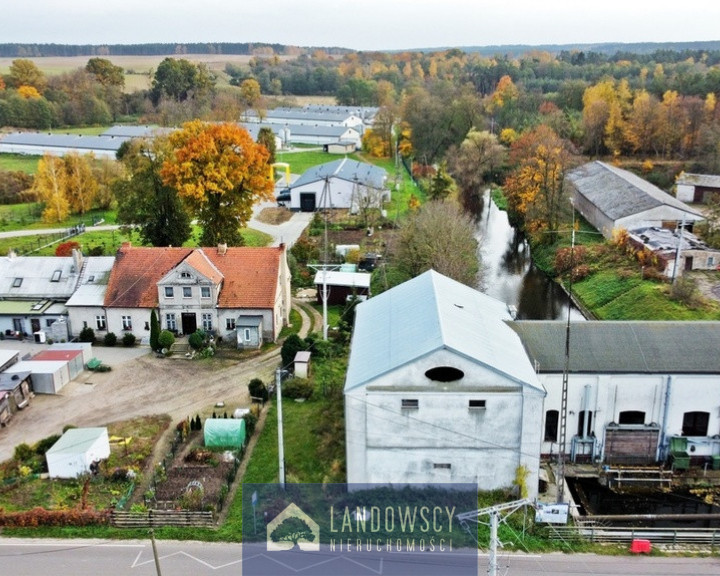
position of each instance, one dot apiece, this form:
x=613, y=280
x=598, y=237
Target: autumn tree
x=220, y=173
x=25, y=73
x=145, y=200
x=536, y=188
x=477, y=161
x=438, y=236
x=80, y=184
x=49, y=188
x=250, y=92
x=179, y=80
x=106, y=72
x=266, y=137
x=442, y=185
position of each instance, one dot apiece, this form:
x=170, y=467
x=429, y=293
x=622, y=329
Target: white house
x=632, y=386
x=342, y=183
x=439, y=389
x=76, y=450
x=241, y=294
x=611, y=198
x=85, y=307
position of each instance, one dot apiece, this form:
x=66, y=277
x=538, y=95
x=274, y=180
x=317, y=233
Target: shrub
x=45, y=444
x=257, y=389
x=128, y=339
x=154, y=330
x=292, y=345
x=196, y=340
x=250, y=423
x=166, y=339
x=297, y=388
x=87, y=334
x=66, y=248
x=23, y=452
x=110, y=339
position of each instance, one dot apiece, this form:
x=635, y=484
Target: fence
x=697, y=536
x=160, y=518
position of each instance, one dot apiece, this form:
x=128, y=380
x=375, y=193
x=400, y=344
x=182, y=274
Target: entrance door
x=688, y=262
x=307, y=202
x=35, y=323
x=189, y=322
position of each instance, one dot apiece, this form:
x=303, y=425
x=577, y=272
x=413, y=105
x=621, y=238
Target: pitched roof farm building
x=59, y=144
x=612, y=198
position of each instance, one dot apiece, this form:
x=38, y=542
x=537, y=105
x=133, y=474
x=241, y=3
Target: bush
x=166, y=339
x=110, y=339
x=87, y=334
x=250, y=423
x=292, y=345
x=297, y=388
x=45, y=444
x=128, y=339
x=23, y=452
x=196, y=340
x=257, y=389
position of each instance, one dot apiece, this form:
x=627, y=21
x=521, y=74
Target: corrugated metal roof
x=77, y=440
x=618, y=193
x=623, y=347
x=345, y=169
x=88, y=295
x=428, y=313
x=707, y=180
x=64, y=141
x=136, y=131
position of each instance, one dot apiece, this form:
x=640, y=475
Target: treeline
x=153, y=49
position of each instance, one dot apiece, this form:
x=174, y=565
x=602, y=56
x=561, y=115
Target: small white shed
x=302, y=364
x=76, y=450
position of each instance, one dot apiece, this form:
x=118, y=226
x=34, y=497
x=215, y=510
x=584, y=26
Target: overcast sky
x=359, y=24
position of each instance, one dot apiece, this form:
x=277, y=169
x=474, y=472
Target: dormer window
x=17, y=283
x=56, y=276
x=185, y=275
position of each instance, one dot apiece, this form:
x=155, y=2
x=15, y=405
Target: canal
x=508, y=273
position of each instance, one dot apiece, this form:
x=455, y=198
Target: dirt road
x=140, y=385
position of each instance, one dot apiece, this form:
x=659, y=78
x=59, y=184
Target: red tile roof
x=250, y=274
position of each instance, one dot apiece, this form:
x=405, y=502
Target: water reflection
x=508, y=274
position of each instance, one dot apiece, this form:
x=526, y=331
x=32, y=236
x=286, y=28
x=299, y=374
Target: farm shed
x=76, y=450
x=224, y=432
x=47, y=377
x=17, y=388
x=342, y=285
x=698, y=188
x=74, y=359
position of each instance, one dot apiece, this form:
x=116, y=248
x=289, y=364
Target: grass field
x=19, y=163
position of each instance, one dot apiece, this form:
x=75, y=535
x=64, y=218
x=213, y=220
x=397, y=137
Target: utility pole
x=281, y=444
x=155, y=552
x=678, y=251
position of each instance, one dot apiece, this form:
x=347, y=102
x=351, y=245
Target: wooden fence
x=159, y=518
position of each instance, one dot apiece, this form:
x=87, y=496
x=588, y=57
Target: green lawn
x=301, y=161
x=19, y=163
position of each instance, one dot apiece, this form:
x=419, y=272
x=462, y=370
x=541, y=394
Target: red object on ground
x=640, y=546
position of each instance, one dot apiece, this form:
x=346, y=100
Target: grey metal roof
x=341, y=278
x=705, y=180
x=623, y=346
x=305, y=115
x=136, y=131
x=77, y=440
x=75, y=141
x=663, y=239
x=37, y=274
x=10, y=381
x=618, y=193
x=345, y=169
x=428, y=313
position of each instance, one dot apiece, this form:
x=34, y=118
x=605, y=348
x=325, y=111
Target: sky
x=359, y=24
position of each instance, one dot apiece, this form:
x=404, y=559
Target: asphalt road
x=25, y=557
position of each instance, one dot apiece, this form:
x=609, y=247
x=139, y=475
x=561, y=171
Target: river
x=508, y=274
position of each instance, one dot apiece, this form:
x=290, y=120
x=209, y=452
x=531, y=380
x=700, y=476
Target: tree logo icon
x=293, y=529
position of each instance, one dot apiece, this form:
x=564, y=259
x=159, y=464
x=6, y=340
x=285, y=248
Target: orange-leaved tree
x=49, y=188
x=219, y=172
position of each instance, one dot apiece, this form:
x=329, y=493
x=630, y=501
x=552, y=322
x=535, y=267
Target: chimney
x=77, y=259
x=222, y=249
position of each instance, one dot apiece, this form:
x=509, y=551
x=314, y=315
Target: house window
x=695, y=423
x=170, y=322
x=631, y=417
x=204, y=291
x=551, y=425
x=409, y=404
x=49, y=322
x=711, y=261
x=17, y=282
x=56, y=276
x=100, y=322
x=185, y=275
x=187, y=292
x=230, y=323
x=441, y=465
x=127, y=323
x=207, y=322
x=169, y=292
x=476, y=404
x=246, y=334
x=584, y=423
